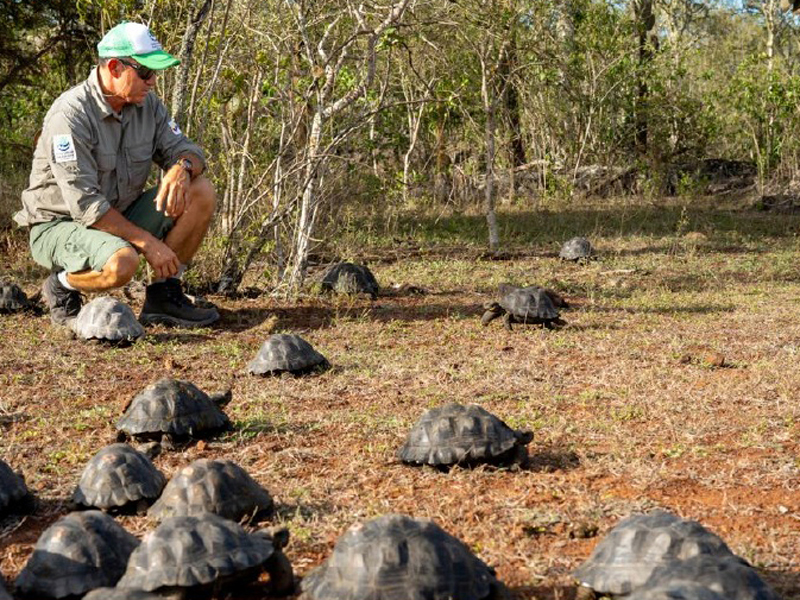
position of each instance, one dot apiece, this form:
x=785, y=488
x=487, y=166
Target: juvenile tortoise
x=576, y=249
x=397, y=557
x=349, y=278
x=119, y=478
x=173, y=410
x=12, y=298
x=14, y=494
x=729, y=576
x=217, y=486
x=463, y=434
x=106, y=319
x=188, y=555
x=286, y=353
x=79, y=552
x=626, y=557
x=531, y=304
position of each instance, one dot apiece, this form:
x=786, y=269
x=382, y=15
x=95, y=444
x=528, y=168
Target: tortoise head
x=222, y=398
x=278, y=534
x=524, y=436
x=493, y=311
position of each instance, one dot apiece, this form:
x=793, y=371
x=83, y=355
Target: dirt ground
x=673, y=385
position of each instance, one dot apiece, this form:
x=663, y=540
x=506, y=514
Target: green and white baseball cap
x=138, y=42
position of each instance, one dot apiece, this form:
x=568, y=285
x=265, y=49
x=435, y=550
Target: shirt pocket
x=140, y=159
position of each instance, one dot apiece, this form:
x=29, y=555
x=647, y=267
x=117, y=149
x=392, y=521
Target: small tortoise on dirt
x=106, y=319
x=173, y=410
x=624, y=560
x=531, y=304
x=12, y=298
x=466, y=435
x=729, y=576
x=396, y=556
x=191, y=554
x=79, y=552
x=14, y=494
x=576, y=249
x=218, y=486
x=286, y=353
x=348, y=278
x=120, y=478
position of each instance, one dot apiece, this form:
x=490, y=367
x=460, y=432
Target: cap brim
x=156, y=60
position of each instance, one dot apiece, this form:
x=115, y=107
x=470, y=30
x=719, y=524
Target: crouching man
x=88, y=213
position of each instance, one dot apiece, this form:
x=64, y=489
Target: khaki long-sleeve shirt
x=89, y=158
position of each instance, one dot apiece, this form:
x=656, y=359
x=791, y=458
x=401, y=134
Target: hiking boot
x=64, y=304
x=166, y=304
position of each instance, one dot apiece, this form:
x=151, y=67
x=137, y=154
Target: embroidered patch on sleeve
x=174, y=127
x=64, y=148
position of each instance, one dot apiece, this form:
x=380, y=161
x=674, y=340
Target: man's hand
x=161, y=257
x=173, y=195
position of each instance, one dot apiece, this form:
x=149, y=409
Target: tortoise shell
x=396, y=556
x=462, y=434
x=627, y=556
x=108, y=320
x=4, y=595
x=349, y=278
x=14, y=494
x=77, y=553
x=576, y=248
x=12, y=298
x=107, y=593
x=116, y=477
x=283, y=352
x=217, y=486
x=184, y=552
x=729, y=576
x=174, y=407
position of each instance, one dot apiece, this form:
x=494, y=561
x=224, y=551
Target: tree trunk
x=186, y=52
x=645, y=21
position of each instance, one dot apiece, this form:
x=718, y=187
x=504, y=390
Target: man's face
x=129, y=84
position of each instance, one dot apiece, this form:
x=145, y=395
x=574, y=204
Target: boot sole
x=162, y=319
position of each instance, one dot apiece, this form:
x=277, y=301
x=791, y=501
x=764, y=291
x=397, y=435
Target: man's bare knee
x=121, y=267
x=203, y=195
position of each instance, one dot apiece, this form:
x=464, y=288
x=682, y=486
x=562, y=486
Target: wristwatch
x=187, y=164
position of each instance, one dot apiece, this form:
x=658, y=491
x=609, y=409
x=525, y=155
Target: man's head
x=131, y=56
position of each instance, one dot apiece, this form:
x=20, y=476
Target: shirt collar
x=97, y=94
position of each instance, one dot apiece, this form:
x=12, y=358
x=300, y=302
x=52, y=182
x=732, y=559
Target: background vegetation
x=324, y=117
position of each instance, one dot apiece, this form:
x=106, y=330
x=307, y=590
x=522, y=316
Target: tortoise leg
x=281, y=576
x=498, y=592
x=507, y=321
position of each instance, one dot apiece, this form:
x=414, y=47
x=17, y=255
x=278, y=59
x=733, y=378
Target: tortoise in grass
x=286, y=353
x=730, y=576
x=14, y=494
x=349, y=278
x=119, y=478
x=173, y=410
x=466, y=435
x=626, y=557
x=217, y=486
x=79, y=552
x=12, y=298
x=576, y=249
x=531, y=305
x=189, y=555
x=108, y=320
x=108, y=593
x=397, y=557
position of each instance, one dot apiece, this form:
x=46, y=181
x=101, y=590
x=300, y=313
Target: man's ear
x=114, y=67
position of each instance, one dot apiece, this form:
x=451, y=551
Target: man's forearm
x=115, y=223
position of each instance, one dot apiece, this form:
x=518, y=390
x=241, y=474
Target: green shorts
x=65, y=244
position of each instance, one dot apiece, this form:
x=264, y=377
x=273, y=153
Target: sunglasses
x=143, y=72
